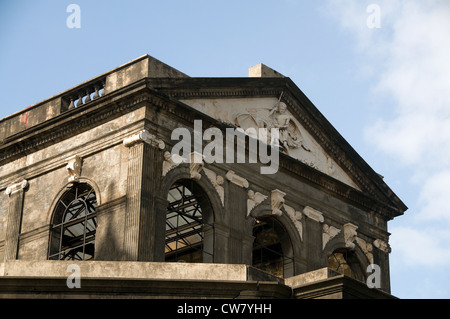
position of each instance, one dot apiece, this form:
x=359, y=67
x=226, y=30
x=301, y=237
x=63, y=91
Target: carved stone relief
x=171, y=161
x=294, y=140
x=350, y=238
x=296, y=218
x=328, y=233
x=73, y=167
x=253, y=113
x=254, y=199
x=196, y=165
x=277, y=116
x=350, y=235
x=236, y=179
x=314, y=214
x=382, y=245
x=216, y=181
x=366, y=248
x=277, y=201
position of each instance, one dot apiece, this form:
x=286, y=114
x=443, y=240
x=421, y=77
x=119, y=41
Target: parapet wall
x=95, y=88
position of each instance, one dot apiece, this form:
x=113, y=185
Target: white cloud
x=416, y=138
x=415, y=72
x=434, y=197
x=424, y=247
x=409, y=58
x=410, y=54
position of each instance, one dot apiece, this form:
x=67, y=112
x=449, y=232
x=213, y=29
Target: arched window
x=272, y=248
x=345, y=262
x=189, y=234
x=74, y=223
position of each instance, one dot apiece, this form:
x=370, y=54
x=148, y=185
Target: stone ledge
x=104, y=288
x=135, y=270
x=124, y=270
x=127, y=279
x=326, y=283
x=310, y=277
x=339, y=287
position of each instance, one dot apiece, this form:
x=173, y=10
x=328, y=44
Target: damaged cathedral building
x=148, y=183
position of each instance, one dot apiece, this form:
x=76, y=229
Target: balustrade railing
x=84, y=94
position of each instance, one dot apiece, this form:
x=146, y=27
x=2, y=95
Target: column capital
x=236, y=179
x=314, y=214
x=146, y=137
x=16, y=187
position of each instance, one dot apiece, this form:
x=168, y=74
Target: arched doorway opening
x=272, y=248
x=189, y=224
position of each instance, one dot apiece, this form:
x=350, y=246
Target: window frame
x=80, y=201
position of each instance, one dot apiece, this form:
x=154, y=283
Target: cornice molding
x=128, y=98
x=307, y=114
x=300, y=111
x=69, y=123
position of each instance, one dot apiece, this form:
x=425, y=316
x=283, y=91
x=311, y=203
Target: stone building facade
x=91, y=177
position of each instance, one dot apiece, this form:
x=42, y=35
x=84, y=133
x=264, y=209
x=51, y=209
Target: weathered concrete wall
x=310, y=277
x=104, y=166
x=107, y=279
x=132, y=191
x=144, y=67
x=29, y=117
x=125, y=270
x=312, y=250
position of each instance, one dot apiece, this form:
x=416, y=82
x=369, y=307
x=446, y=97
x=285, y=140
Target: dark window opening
x=187, y=234
x=268, y=254
x=346, y=263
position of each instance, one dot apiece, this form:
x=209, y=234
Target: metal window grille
x=268, y=253
x=74, y=225
x=185, y=227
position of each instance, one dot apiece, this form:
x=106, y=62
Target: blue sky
x=386, y=90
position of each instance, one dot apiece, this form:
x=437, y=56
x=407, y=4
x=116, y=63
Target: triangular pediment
x=271, y=112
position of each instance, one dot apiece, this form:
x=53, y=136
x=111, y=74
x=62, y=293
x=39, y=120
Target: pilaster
x=14, y=219
x=313, y=237
x=141, y=221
